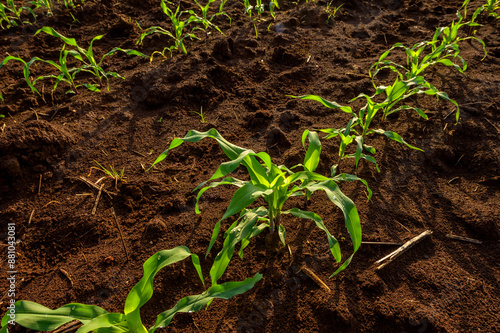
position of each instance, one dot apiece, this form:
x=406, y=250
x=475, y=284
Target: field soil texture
x=70, y=250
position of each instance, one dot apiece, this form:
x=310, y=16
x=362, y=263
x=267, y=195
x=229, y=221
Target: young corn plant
x=207, y=22
x=47, y=4
x=331, y=11
x=275, y=184
x=179, y=26
x=359, y=126
x=491, y=7
x=10, y=14
x=200, y=114
x=26, y=71
x=86, y=57
x=442, y=49
x=37, y=317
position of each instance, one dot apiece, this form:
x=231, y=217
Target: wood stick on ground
x=66, y=274
x=40, y=184
x=97, y=200
x=121, y=235
x=464, y=239
x=31, y=216
x=91, y=184
x=393, y=255
x=315, y=278
x=382, y=243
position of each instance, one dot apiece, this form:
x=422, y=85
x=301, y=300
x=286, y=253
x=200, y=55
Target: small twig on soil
x=393, y=255
x=453, y=179
x=449, y=114
x=97, y=200
x=315, y=278
x=66, y=274
x=84, y=194
x=459, y=160
x=31, y=216
x=382, y=243
x=138, y=153
x=120, y=230
x=54, y=114
x=403, y=226
x=51, y=202
x=464, y=239
x=489, y=122
x=40, y=184
x=91, y=184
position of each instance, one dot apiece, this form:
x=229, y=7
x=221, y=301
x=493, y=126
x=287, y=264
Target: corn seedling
x=47, y=4
x=10, y=14
x=358, y=127
x=95, y=319
x=275, y=184
x=444, y=48
x=26, y=71
x=491, y=7
x=179, y=26
x=111, y=173
x=200, y=114
x=331, y=11
x=90, y=64
x=207, y=22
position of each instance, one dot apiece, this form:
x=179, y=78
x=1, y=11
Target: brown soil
x=242, y=83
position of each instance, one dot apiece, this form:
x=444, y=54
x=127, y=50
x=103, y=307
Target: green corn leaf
x=332, y=241
x=225, y=181
x=350, y=178
x=311, y=160
x=232, y=151
x=351, y=216
x=143, y=290
x=69, y=41
x=109, y=322
x=282, y=234
x=328, y=104
x=196, y=302
x=396, y=137
x=244, y=197
x=40, y=318
x=233, y=237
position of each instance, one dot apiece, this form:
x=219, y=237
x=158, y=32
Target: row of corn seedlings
x=410, y=80
x=184, y=25
x=11, y=14
x=66, y=72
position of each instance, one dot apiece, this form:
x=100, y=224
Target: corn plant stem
x=120, y=231
x=393, y=255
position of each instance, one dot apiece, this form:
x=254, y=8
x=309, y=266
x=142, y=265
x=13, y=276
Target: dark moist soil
x=242, y=83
